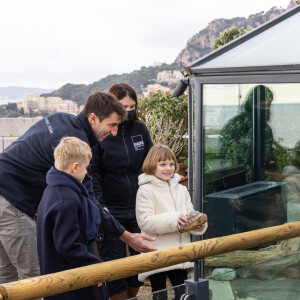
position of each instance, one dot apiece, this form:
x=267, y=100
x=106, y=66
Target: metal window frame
x=198, y=81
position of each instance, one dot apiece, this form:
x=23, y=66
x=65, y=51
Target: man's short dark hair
x=103, y=105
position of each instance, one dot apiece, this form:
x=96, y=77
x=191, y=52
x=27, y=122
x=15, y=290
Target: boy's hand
x=181, y=221
x=99, y=284
x=136, y=241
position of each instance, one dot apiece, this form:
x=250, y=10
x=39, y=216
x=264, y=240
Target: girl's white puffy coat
x=158, y=206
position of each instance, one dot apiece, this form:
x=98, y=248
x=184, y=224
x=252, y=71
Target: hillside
x=199, y=45
x=139, y=79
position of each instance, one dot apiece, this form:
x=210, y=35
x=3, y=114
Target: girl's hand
x=181, y=220
x=200, y=228
x=99, y=284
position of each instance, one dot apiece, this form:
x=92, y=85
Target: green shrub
x=166, y=119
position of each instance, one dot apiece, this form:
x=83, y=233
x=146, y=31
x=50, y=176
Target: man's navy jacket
x=25, y=163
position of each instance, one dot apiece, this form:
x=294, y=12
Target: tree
x=229, y=35
x=166, y=119
x=11, y=106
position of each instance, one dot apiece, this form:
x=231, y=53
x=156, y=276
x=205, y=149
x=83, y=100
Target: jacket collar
x=59, y=178
x=83, y=122
x=144, y=179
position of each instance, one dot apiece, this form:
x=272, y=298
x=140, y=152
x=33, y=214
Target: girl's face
x=165, y=169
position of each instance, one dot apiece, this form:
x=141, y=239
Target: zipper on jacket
x=175, y=206
x=122, y=130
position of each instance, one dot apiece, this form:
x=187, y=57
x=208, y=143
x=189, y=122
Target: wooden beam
x=60, y=282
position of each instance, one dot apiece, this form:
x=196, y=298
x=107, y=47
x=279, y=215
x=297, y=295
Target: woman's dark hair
x=103, y=105
x=120, y=91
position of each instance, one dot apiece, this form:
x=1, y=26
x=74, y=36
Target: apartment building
x=34, y=102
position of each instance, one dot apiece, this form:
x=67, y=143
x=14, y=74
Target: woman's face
x=128, y=103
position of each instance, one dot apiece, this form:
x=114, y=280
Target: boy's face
x=79, y=170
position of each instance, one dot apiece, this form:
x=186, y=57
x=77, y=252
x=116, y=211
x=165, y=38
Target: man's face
x=105, y=128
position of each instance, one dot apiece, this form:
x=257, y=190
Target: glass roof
x=274, y=43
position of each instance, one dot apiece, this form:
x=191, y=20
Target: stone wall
x=12, y=128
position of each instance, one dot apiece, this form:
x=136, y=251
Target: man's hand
x=136, y=241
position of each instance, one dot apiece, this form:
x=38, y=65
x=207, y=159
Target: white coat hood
x=144, y=179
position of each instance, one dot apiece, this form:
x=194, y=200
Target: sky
x=47, y=44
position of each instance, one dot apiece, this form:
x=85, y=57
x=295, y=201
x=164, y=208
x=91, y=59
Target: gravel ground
x=145, y=291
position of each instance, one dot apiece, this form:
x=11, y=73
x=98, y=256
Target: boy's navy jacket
x=116, y=164
x=25, y=163
x=66, y=227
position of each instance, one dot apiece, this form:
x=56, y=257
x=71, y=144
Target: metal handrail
x=72, y=279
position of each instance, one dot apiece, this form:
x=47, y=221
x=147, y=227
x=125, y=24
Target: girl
x=161, y=206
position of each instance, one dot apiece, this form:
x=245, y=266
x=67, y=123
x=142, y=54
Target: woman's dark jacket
x=66, y=222
x=117, y=163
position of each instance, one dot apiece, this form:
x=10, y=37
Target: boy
x=67, y=219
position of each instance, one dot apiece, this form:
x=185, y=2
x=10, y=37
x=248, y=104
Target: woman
x=117, y=163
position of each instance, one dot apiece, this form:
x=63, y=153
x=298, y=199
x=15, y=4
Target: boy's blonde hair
x=156, y=154
x=69, y=150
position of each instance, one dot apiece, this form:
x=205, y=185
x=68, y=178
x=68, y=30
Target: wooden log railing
x=72, y=279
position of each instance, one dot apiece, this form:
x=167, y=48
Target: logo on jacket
x=138, y=142
x=49, y=125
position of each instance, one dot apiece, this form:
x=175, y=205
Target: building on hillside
x=30, y=102
x=52, y=104
x=151, y=88
x=34, y=102
x=169, y=76
x=68, y=106
x=42, y=103
x=157, y=64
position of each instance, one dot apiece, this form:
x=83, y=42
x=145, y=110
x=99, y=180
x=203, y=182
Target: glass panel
x=279, y=45
x=274, y=279
x=251, y=156
x=221, y=103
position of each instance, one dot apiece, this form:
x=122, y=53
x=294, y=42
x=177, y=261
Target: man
x=23, y=168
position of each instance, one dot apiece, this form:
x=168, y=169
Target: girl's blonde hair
x=69, y=150
x=156, y=154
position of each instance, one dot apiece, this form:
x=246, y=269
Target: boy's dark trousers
x=158, y=282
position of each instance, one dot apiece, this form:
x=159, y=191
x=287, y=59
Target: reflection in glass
x=250, y=137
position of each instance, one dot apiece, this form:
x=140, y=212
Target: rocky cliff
x=201, y=43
